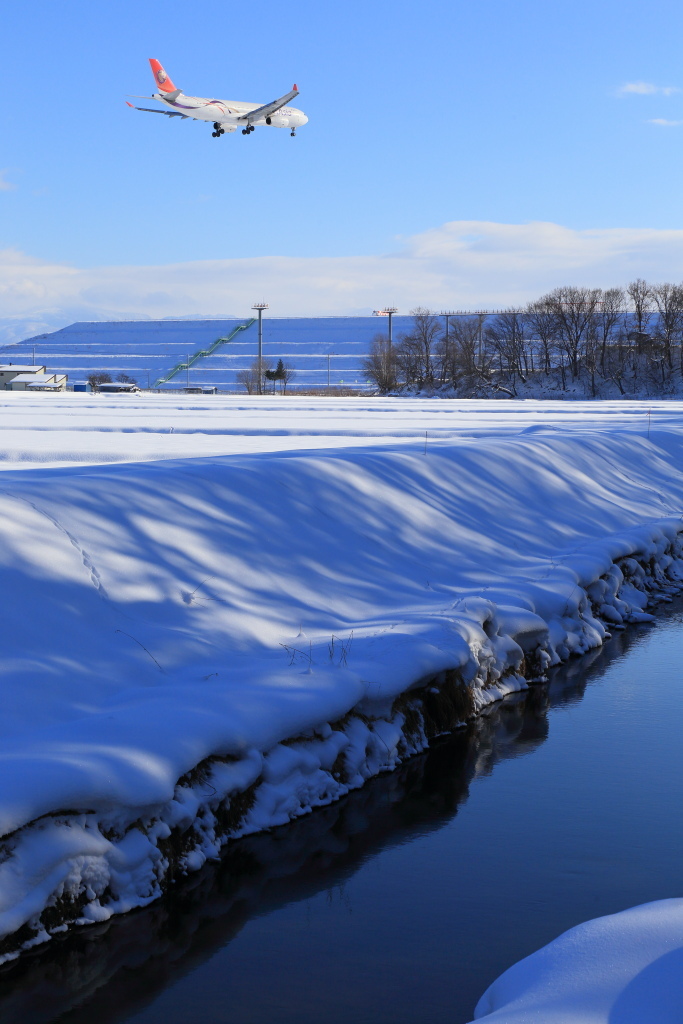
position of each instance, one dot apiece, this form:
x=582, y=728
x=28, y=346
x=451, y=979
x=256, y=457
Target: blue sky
x=420, y=114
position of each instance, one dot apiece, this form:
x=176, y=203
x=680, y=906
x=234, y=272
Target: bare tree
x=506, y=336
x=95, y=379
x=466, y=335
x=542, y=324
x=447, y=363
x=417, y=350
x=591, y=353
x=287, y=375
x=382, y=364
x=640, y=294
x=608, y=316
x=574, y=310
x=668, y=299
x=249, y=378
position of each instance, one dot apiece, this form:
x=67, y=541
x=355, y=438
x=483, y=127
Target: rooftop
x=20, y=368
x=32, y=378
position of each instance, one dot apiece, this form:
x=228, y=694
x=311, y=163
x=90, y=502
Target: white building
x=37, y=382
x=8, y=371
x=117, y=388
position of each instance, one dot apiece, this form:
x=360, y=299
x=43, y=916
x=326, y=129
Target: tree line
x=592, y=341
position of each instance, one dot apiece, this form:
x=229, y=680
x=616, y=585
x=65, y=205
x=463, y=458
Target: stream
x=402, y=902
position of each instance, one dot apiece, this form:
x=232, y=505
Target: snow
x=258, y=582
x=621, y=969
x=154, y=347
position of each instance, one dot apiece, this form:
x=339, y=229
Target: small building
x=117, y=388
x=58, y=384
x=9, y=371
x=201, y=389
x=37, y=382
x=82, y=385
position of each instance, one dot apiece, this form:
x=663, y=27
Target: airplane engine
x=278, y=121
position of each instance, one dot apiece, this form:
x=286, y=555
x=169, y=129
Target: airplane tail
x=161, y=78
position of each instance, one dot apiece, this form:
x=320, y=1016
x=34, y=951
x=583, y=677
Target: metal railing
x=202, y=353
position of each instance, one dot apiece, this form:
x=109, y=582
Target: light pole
x=259, y=307
x=328, y=366
x=482, y=317
x=448, y=313
x=387, y=311
x=188, y=369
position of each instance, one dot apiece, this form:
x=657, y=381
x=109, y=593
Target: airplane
x=227, y=116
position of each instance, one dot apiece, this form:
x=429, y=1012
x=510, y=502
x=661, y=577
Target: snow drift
x=620, y=969
x=203, y=648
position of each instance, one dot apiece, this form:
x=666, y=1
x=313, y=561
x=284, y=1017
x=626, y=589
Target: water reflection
x=111, y=971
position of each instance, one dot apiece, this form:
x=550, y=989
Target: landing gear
x=293, y=132
x=219, y=131
x=248, y=129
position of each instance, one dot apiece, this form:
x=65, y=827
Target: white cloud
x=5, y=186
x=646, y=89
x=663, y=122
x=463, y=264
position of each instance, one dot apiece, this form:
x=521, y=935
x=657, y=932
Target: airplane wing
x=152, y=110
x=269, y=108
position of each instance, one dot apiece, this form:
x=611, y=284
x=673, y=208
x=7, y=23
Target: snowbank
x=621, y=969
x=202, y=648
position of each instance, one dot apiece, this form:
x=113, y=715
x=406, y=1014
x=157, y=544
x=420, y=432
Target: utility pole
x=34, y=355
x=482, y=317
x=188, y=369
x=259, y=307
x=328, y=366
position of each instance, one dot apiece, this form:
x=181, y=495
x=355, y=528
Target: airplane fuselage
x=231, y=113
x=226, y=115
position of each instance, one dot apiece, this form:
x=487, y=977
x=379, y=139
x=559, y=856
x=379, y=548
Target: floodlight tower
x=259, y=307
x=387, y=311
x=448, y=313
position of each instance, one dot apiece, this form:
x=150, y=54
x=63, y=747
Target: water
x=400, y=904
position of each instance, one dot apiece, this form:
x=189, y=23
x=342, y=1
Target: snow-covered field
x=86, y=428
x=221, y=612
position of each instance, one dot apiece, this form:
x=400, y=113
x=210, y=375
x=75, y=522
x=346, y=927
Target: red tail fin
x=160, y=77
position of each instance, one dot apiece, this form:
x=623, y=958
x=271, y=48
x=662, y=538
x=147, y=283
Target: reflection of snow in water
x=134, y=956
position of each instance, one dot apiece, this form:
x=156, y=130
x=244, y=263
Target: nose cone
x=301, y=118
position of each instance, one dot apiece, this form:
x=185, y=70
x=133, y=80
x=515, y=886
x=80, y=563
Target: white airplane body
x=226, y=115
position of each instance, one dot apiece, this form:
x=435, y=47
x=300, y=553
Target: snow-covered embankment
x=620, y=969
x=198, y=649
